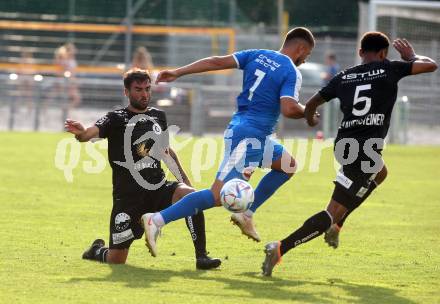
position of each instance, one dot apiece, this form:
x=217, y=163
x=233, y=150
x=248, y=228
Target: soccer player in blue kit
x=271, y=84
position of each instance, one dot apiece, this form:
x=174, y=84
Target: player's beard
x=299, y=61
x=140, y=104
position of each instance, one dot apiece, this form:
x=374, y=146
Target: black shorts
x=351, y=185
x=125, y=220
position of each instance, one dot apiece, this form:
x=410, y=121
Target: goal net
x=419, y=23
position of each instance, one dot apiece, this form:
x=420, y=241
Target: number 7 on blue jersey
x=260, y=75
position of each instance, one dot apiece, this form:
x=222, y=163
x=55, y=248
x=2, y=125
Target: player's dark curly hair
x=300, y=33
x=137, y=75
x=374, y=42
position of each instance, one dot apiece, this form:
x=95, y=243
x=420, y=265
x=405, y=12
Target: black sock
x=313, y=227
x=196, y=227
x=101, y=254
x=341, y=222
x=371, y=188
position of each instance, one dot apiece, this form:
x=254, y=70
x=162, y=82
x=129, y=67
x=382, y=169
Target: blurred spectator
x=332, y=67
x=142, y=59
x=66, y=62
x=165, y=96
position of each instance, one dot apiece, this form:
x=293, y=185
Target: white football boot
x=151, y=232
x=246, y=224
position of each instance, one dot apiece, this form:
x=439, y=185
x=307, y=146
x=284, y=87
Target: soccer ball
x=237, y=195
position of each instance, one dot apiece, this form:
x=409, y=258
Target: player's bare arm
x=421, y=64
x=81, y=134
x=310, y=110
x=291, y=108
x=213, y=63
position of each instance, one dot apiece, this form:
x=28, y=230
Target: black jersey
x=113, y=126
x=367, y=94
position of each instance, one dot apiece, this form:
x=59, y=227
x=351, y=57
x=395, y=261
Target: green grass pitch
x=389, y=253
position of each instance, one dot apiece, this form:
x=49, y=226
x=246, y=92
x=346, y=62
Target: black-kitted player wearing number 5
x=367, y=93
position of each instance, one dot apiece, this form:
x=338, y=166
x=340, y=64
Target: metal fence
x=200, y=104
x=43, y=103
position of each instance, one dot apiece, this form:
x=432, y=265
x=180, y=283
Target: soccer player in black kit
x=132, y=199
x=367, y=93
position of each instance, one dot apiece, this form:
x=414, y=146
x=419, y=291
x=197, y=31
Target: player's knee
x=336, y=211
x=216, y=195
x=182, y=191
x=381, y=176
x=287, y=165
x=291, y=168
x=215, y=189
x=116, y=256
x=187, y=190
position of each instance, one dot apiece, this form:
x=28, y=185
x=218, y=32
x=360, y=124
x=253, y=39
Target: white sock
x=158, y=220
x=249, y=213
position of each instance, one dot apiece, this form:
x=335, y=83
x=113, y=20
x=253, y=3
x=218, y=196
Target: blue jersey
x=267, y=76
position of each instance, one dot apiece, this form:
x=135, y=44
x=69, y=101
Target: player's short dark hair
x=300, y=33
x=374, y=42
x=137, y=75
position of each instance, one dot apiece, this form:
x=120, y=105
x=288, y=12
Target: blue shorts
x=243, y=153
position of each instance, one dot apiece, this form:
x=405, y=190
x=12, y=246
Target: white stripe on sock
x=330, y=216
x=104, y=256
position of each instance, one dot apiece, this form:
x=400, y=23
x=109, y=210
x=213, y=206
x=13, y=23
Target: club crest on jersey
x=371, y=73
x=142, y=150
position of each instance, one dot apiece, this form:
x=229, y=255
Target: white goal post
x=401, y=8
x=419, y=22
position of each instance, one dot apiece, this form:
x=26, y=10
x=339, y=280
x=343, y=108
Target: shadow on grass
x=256, y=286
x=369, y=294
x=322, y=291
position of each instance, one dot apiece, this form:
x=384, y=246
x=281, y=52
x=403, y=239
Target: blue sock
x=267, y=186
x=189, y=205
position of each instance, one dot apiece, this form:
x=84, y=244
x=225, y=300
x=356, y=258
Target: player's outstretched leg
x=312, y=228
x=187, y=206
